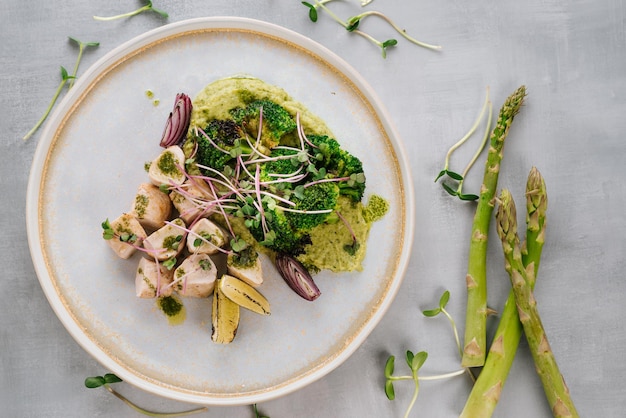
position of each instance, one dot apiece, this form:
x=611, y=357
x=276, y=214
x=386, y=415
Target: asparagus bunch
x=487, y=388
x=522, y=279
x=474, y=350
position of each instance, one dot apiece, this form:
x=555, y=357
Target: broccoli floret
x=350, y=166
x=224, y=132
x=225, y=135
x=286, y=239
x=280, y=166
x=320, y=196
x=338, y=163
x=276, y=121
x=326, y=150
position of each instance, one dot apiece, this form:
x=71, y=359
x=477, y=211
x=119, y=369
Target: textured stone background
x=571, y=56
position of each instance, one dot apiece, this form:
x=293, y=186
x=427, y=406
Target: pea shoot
x=459, y=178
x=147, y=7
x=65, y=78
x=441, y=309
x=257, y=414
x=416, y=360
x=108, y=379
x=352, y=25
x=81, y=49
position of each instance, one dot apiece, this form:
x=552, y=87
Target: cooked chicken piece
x=196, y=276
x=183, y=200
x=212, y=237
x=151, y=207
x=167, y=167
x=128, y=233
x=249, y=271
x=167, y=241
x=147, y=279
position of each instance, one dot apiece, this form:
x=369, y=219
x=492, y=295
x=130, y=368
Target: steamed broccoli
x=339, y=163
x=350, y=166
x=230, y=141
x=276, y=121
x=326, y=150
x=282, y=166
x=320, y=196
x=287, y=239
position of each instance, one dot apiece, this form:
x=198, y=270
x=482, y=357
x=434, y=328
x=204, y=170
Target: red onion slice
x=297, y=277
x=178, y=121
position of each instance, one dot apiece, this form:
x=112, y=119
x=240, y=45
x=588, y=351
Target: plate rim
x=90, y=76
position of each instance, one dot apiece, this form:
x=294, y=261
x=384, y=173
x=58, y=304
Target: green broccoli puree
x=328, y=251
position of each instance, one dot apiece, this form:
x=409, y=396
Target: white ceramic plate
x=90, y=160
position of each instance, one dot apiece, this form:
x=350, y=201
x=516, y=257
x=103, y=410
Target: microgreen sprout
x=65, y=77
x=148, y=6
x=352, y=25
x=441, y=309
x=257, y=414
x=108, y=379
x=81, y=49
x=354, y=21
x=238, y=244
x=312, y=11
x=415, y=362
x=108, y=233
x=459, y=178
x=170, y=263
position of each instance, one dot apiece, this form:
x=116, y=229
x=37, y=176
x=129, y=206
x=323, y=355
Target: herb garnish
x=109, y=378
x=65, y=77
x=142, y=9
x=81, y=49
x=352, y=25
x=459, y=178
x=417, y=360
x=257, y=414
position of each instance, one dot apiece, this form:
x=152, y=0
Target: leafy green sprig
x=459, y=178
x=417, y=360
x=441, y=309
x=352, y=25
x=257, y=414
x=81, y=48
x=108, y=379
x=147, y=7
x=108, y=233
x=65, y=78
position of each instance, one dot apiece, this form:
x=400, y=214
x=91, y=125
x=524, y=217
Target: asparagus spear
x=553, y=382
x=476, y=279
x=487, y=388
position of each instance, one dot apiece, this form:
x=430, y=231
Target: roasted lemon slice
x=243, y=294
x=224, y=318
